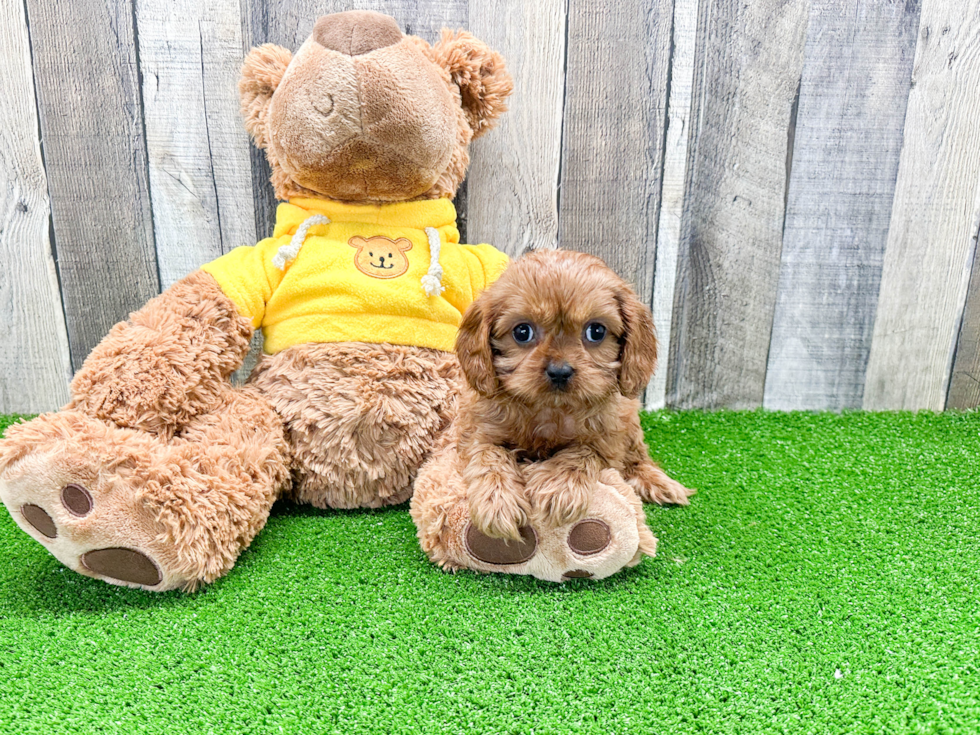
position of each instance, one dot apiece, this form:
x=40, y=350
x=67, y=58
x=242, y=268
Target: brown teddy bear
x=158, y=473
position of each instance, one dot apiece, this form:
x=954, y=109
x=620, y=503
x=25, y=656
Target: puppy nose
x=356, y=32
x=559, y=373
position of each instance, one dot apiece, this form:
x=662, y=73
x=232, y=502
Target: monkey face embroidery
x=381, y=257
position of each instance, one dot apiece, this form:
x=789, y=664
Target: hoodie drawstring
x=289, y=252
x=432, y=281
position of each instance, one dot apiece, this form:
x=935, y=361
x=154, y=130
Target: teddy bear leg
x=360, y=418
x=131, y=509
x=613, y=534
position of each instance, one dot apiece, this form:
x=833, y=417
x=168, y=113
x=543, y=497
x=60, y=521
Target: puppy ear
x=638, y=345
x=481, y=75
x=473, y=348
x=357, y=242
x=261, y=73
x=403, y=244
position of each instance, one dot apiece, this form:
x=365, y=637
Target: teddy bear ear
x=261, y=73
x=481, y=75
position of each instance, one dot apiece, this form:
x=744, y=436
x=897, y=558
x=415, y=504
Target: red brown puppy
x=555, y=355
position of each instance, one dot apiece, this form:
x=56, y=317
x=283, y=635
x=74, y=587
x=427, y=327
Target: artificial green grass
x=823, y=580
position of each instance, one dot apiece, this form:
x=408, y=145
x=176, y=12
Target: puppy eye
x=370, y=255
x=523, y=333
x=389, y=255
x=595, y=332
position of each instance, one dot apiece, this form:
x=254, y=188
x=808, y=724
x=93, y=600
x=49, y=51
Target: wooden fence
x=793, y=185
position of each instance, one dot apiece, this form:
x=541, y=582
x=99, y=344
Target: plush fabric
x=339, y=287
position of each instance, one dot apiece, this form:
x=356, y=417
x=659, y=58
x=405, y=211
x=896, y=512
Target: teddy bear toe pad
x=40, y=520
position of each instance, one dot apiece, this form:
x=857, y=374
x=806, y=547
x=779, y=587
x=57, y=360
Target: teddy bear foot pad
x=127, y=566
x=72, y=522
x=586, y=538
x=86, y=504
x=596, y=547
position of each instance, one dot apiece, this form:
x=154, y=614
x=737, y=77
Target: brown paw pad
x=499, y=551
x=125, y=565
x=589, y=537
x=77, y=500
x=38, y=517
x=577, y=574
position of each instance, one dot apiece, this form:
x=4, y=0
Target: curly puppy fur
x=555, y=354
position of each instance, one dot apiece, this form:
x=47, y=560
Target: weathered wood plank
x=289, y=23
x=683, y=41
x=200, y=169
x=930, y=241
x=856, y=74
x=613, y=135
x=85, y=71
x=513, y=181
x=34, y=364
x=747, y=73
x=964, y=383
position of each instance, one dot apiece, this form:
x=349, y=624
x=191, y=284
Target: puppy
x=555, y=355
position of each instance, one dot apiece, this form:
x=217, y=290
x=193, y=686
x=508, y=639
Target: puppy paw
x=654, y=486
x=558, y=498
x=497, y=508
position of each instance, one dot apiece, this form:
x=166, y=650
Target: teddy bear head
x=365, y=113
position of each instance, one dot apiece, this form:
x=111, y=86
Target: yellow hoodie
x=336, y=272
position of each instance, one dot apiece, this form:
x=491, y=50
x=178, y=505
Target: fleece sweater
x=358, y=275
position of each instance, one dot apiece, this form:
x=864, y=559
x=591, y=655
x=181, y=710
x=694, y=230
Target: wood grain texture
x=289, y=22
x=513, y=180
x=747, y=73
x=675, y=159
x=613, y=134
x=34, y=364
x=856, y=75
x=200, y=169
x=964, y=383
x=85, y=73
x=930, y=242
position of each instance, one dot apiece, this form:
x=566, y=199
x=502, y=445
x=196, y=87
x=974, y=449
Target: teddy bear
x=159, y=472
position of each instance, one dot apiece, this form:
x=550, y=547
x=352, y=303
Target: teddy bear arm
x=168, y=362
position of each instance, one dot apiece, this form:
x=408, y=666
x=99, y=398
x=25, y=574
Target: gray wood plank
x=34, y=364
x=683, y=43
x=513, y=182
x=856, y=75
x=289, y=23
x=747, y=73
x=200, y=169
x=929, y=254
x=613, y=134
x=964, y=383
x=86, y=75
